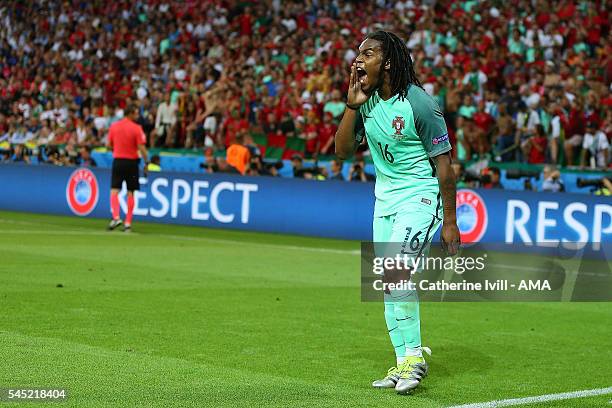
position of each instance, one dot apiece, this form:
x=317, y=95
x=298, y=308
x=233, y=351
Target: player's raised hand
x=356, y=96
x=450, y=237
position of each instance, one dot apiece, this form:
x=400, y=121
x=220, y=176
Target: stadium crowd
x=518, y=80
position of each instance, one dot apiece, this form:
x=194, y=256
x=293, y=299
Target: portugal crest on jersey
x=398, y=124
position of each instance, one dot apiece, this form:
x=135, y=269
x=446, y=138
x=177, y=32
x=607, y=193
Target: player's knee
x=395, y=275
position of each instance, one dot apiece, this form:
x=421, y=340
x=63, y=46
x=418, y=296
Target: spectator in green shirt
x=515, y=43
x=467, y=109
x=335, y=106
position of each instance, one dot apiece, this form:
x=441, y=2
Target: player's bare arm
x=142, y=149
x=446, y=180
x=143, y=153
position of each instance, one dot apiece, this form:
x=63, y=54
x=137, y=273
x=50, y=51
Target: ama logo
x=82, y=191
x=472, y=216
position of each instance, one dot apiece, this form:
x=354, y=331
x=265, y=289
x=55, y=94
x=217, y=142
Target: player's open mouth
x=362, y=75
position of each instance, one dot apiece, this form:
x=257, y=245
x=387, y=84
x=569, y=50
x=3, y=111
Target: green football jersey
x=403, y=134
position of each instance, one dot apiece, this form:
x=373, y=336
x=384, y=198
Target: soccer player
x=126, y=138
x=415, y=185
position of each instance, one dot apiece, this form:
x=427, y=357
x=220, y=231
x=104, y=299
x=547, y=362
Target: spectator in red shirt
x=482, y=119
x=310, y=133
x=574, y=131
x=534, y=148
x=232, y=126
x=326, y=133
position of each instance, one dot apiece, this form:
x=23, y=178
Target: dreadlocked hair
x=397, y=54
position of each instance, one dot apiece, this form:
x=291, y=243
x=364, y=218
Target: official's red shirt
x=125, y=136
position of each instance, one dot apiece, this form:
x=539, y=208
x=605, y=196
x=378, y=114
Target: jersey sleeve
x=359, y=128
x=429, y=122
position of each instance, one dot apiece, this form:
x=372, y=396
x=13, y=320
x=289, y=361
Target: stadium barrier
x=173, y=161
x=332, y=209
x=191, y=164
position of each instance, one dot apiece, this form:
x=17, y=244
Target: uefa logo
x=82, y=191
x=472, y=216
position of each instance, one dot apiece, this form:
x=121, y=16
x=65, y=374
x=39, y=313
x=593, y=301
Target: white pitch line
x=57, y=232
x=185, y=238
x=521, y=267
x=534, y=269
x=230, y=241
x=538, y=399
x=274, y=246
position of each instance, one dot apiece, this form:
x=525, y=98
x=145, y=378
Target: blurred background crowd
x=250, y=83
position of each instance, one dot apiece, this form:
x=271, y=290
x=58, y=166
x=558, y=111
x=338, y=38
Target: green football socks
x=406, y=310
x=394, y=331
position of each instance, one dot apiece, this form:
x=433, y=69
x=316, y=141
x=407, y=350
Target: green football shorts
x=407, y=232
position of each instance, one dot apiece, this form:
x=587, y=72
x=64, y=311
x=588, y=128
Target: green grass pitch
x=175, y=316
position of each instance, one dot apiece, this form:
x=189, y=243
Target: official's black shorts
x=125, y=170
